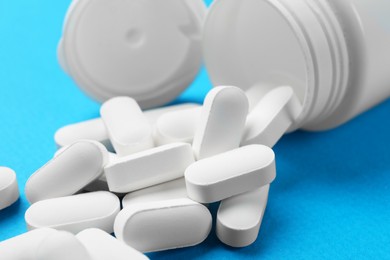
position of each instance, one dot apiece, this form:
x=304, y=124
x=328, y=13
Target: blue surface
x=331, y=198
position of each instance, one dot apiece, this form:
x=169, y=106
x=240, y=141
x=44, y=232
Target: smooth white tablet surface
x=103, y=246
x=221, y=123
x=62, y=246
x=148, y=168
x=166, y=191
x=127, y=126
x=67, y=173
x=9, y=192
x=273, y=115
x=75, y=213
x=239, y=217
x=230, y=173
x=149, y=50
x=164, y=225
x=24, y=246
x=177, y=126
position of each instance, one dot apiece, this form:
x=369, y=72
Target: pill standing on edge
x=148, y=168
x=25, y=245
x=9, y=192
x=157, y=226
x=166, y=191
x=221, y=123
x=239, y=217
x=69, y=172
x=62, y=246
x=127, y=126
x=75, y=213
x=103, y=246
x=230, y=173
x=273, y=115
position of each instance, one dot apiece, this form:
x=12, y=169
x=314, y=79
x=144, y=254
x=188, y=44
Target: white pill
x=274, y=114
x=24, y=246
x=148, y=168
x=73, y=169
x=164, y=225
x=9, y=192
x=127, y=126
x=166, y=191
x=239, y=217
x=230, y=173
x=95, y=129
x=62, y=246
x=75, y=213
x=103, y=246
x=222, y=122
x=177, y=126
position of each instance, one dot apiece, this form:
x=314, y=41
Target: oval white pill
x=9, y=192
x=164, y=225
x=62, y=246
x=148, y=168
x=24, y=246
x=73, y=169
x=166, y=191
x=75, y=213
x=239, y=217
x=231, y=173
x=103, y=246
x=127, y=126
x=221, y=123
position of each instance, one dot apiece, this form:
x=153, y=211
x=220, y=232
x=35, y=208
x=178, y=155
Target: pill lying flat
x=62, y=246
x=164, y=225
x=166, y=191
x=239, y=217
x=73, y=169
x=222, y=122
x=230, y=173
x=274, y=114
x=177, y=126
x=24, y=246
x=148, y=168
x=75, y=213
x=103, y=246
x=127, y=126
x=9, y=192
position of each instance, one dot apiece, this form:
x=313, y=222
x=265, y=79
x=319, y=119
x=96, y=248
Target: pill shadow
x=11, y=211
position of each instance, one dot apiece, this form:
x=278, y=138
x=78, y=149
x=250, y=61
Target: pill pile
x=148, y=177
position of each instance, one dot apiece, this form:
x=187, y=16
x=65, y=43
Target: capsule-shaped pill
x=9, y=192
x=164, y=225
x=127, y=126
x=148, y=168
x=103, y=246
x=221, y=123
x=239, y=217
x=73, y=169
x=231, y=173
x=75, y=213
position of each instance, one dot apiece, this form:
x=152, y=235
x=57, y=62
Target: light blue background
x=331, y=198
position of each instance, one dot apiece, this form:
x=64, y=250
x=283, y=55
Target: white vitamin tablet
x=73, y=169
x=127, y=126
x=9, y=192
x=163, y=225
x=239, y=217
x=148, y=168
x=75, y=213
x=230, y=173
x=103, y=246
x=166, y=191
x=221, y=123
x=24, y=246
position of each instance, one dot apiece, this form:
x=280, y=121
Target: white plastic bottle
x=334, y=53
